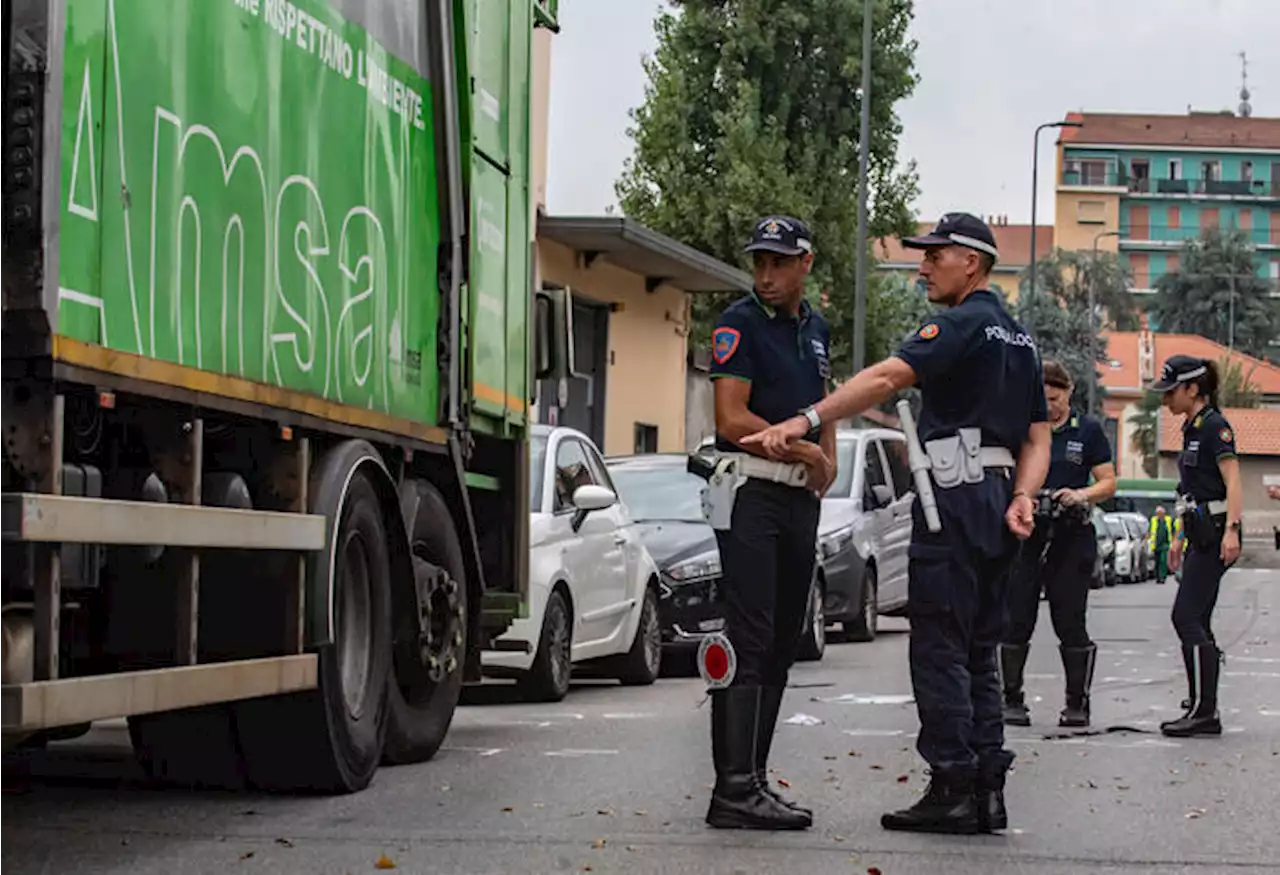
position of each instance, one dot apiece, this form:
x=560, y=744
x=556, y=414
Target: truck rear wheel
x=331, y=739
x=426, y=682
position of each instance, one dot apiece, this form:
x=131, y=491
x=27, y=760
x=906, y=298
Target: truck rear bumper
x=47, y=704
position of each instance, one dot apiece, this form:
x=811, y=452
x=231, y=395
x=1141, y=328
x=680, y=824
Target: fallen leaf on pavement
x=828, y=757
x=784, y=782
x=640, y=812
x=878, y=768
x=384, y=862
x=902, y=779
x=605, y=812
x=246, y=856
x=507, y=808
x=854, y=753
x=837, y=838
x=598, y=844
x=284, y=842
x=631, y=848
x=874, y=870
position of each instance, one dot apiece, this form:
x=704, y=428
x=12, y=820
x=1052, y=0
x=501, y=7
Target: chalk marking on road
x=1048, y=676
x=1269, y=712
x=627, y=715
x=1251, y=674
x=567, y=715
x=864, y=699
x=573, y=752
x=875, y=733
x=1265, y=659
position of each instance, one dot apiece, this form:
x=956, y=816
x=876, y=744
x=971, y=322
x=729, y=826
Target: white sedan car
x=593, y=587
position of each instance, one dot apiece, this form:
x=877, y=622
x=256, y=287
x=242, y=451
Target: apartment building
x=1143, y=185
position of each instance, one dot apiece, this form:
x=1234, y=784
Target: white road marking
x=571, y=752
x=482, y=751
x=627, y=715
x=875, y=733
x=865, y=699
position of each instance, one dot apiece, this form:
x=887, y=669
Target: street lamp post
x=1093, y=332
x=1035, y=181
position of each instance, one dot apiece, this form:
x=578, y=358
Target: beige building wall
x=645, y=382
x=539, y=114
x=1080, y=215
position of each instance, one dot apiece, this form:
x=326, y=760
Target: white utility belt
x=786, y=473
x=1213, y=508
x=730, y=471
x=962, y=458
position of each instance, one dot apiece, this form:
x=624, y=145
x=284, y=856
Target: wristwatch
x=1237, y=525
x=811, y=414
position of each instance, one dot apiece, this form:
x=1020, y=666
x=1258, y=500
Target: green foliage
x=1067, y=274
x=1197, y=298
x=1064, y=332
x=1144, y=435
x=753, y=108
x=1235, y=387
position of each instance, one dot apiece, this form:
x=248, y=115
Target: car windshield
x=1116, y=528
x=846, y=449
x=659, y=492
x=537, y=460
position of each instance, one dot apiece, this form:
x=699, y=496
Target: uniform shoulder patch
x=930, y=331
x=1226, y=435
x=724, y=344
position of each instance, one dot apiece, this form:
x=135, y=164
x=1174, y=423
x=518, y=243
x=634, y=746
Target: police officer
x=983, y=407
x=769, y=360
x=1058, y=557
x=1210, y=504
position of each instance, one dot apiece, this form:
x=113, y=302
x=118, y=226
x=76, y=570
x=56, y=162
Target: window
x=874, y=472
x=1210, y=171
x=846, y=450
x=1175, y=168
x=1246, y=171
x=660, y=491
x=1208, y=219
x=1140, y=168
x=599, y=473
x=646, y=438
x=1139, y=223
x=1091, y=212
x=537, y=461
x=1094, y=172
x=899, y=465
x=572, y=471
x=1175, y=218
x=1139, y=266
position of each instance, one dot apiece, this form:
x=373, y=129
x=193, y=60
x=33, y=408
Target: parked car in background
x=865, y=531
x=593, y=587
x=1102, y=574
x=1138, y=527
x=665, y=502
x=1125, y=556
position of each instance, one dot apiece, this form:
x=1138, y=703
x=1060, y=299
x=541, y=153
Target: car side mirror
x=588, y=498
x=881, y=496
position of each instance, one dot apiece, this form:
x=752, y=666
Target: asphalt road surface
x=617, y=780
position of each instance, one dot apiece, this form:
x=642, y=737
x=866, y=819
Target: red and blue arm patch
x=724, y=343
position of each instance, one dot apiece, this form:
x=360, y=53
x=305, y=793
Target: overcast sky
x=1000, y=67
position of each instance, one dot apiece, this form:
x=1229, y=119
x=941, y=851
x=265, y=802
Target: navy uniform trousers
x=958, y=586
x=767, y=560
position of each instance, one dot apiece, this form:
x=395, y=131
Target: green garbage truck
x=270, y=331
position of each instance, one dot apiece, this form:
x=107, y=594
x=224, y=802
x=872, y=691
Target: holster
x=1204, y=532
x=957, y=459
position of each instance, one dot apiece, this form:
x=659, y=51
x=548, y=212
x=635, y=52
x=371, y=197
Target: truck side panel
x=249, y=187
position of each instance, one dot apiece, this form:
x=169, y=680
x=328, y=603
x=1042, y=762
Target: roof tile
x=1197, y=130
x=1257, y=431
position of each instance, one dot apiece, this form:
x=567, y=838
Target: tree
x=1066, y=275
x=753, y=108
x=1144, y=436
x=1235, y=387
x=1198, y=297
x=1064, y=333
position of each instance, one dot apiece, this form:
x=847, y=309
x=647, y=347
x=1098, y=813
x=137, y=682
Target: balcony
x=1233, y=189
x=1147, y=236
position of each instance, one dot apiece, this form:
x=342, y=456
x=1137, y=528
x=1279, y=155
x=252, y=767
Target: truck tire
x=330, y=739
x=548, y=678
x=641, y=665
x=422, y=697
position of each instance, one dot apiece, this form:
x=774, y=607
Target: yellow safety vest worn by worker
x=1174, y=533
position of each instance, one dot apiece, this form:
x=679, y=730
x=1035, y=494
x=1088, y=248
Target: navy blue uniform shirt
x=1079, y=445
x=1207, y=439
x=784, y=358
x=977, y=368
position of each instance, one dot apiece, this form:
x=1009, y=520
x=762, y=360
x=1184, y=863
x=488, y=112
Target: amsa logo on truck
x=232, y=258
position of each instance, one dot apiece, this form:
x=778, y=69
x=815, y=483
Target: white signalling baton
x=919, y=464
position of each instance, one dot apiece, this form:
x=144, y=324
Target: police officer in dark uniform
x=769, y=361
x=1210, y=503
x=1058, y=557
x=983, y=425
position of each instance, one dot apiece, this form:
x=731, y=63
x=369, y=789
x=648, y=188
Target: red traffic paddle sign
x=717, y=663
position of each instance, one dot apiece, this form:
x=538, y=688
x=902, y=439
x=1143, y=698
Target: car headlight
x=700, y=567
x=833, y=542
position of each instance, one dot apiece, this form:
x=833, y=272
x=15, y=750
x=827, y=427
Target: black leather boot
x=1013, y=659
x=948, y=806
x=739, y=800
x=1202, y=663
x=988, y=797
x=770, y=706
x=1077, y=663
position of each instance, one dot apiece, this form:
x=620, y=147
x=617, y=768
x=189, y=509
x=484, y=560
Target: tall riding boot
x=1077, y=663
x=988, y=797
x=948, y=806
x=771, y=704
x=739, y=800
x=1013, y=658
x=1202, y=717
